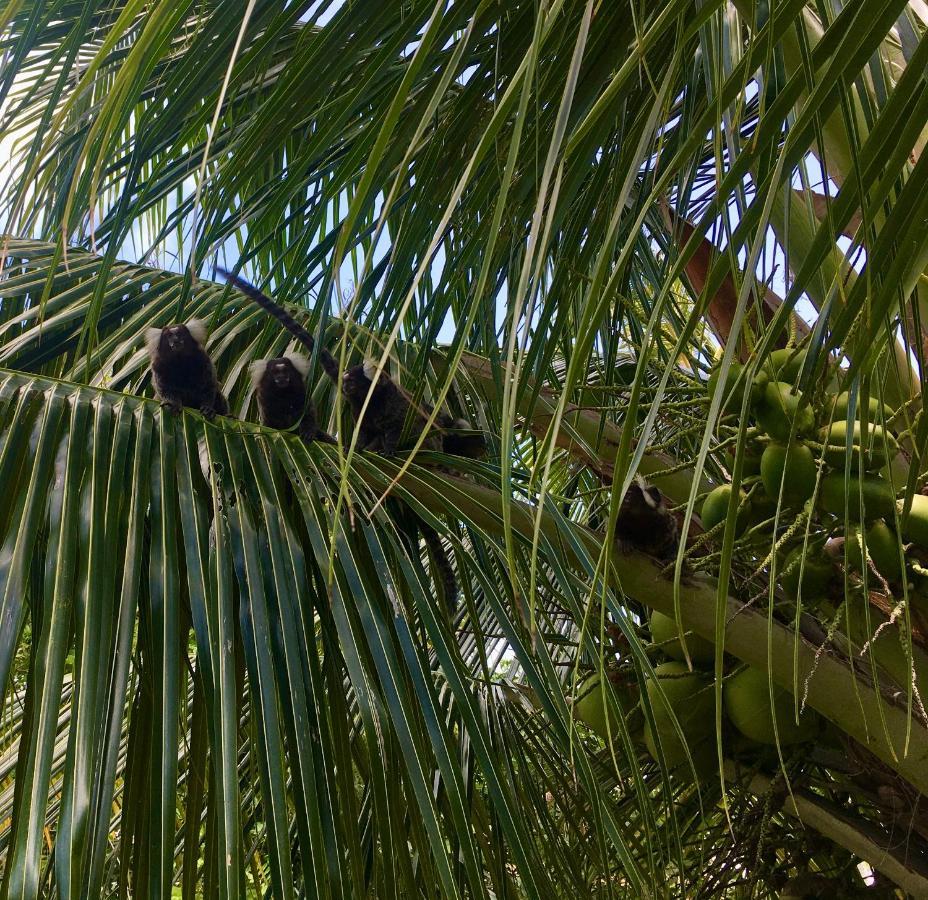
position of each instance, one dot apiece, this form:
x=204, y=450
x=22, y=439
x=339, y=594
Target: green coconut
x=879, y=447
x=750, y=464
x=693, y=703
x=715, y=509
x=916, y=526
x=778, y=407
x=799, y=481
x=732, y=397
x=882, y=548
x=590, y=706
x=843, y=401
x=763, y=508
x=758, y=386
x=816, y=574
x=896, y=471
x=664, y=632
x=747, y=703
x=750, y=460
x=877, y=494
x=785, y=365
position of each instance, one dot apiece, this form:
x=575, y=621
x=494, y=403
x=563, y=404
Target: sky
x=771, y=268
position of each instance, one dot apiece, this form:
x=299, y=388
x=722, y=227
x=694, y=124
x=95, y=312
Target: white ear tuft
x=299, y=362
x=256, y=371
x=152, y=339
x=197, y=329
x=370, y=369
x=646, y=492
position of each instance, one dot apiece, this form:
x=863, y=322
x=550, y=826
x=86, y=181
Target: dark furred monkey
x=391, y=421
x=390, y=416
x=182, y=371
x=644, y=522
x=283, y=400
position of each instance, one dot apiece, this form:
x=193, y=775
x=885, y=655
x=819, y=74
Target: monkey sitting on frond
x=645, y=523
x=283, y=397
x=182, y=371
x=392, y=420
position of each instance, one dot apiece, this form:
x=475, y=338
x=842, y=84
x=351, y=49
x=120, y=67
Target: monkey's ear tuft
x=152, y=339
x=197, y=329
x=256, y=372
x=370, y=369
x=651, y=495
x=299, y=362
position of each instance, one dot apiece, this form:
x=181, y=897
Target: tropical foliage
x=227, y=667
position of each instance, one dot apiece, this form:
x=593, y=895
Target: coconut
x=690, y=698
x=664, y=632
x=785, y=365
x=815, y=571
x=747, y=702
x=876, y=492
x=763, y=508
x=879, y=446
x=875, y=413
x=715, y=509
x=750, y=459
x=799, y=482
x=750, y=465
x=778, y=407
x=896, y=471
x=590, y=706
x=732, y=397
x=758, y=386
x=882, y=548
x=916, y=526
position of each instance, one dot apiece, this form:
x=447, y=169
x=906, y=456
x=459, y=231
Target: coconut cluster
x=756, y=713
x=822, y=461
x=829, y=448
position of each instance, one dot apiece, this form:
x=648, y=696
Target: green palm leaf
x=225, y=666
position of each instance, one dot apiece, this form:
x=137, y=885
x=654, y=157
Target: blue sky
x=771, y=269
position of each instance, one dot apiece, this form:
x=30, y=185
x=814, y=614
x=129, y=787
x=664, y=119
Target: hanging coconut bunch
x=818, y=512
x=798, y=445
x=673, y=719
x=820, y=508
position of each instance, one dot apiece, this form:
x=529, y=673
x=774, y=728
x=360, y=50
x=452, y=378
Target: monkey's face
x=177, y=339
x=644, y=505
x=283, y=374
x=355, y=383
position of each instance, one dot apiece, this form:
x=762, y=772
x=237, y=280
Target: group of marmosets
x=184, y=376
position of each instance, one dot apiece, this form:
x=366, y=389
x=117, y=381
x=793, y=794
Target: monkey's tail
x=446, y=572
x=285, y=319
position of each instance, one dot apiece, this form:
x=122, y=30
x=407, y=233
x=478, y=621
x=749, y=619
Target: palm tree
x=228, y=667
